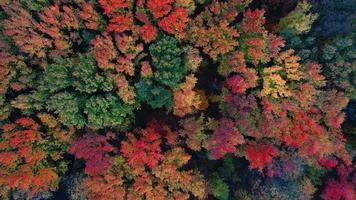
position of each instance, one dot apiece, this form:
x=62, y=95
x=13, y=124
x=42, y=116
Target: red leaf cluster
x=94, y=149
x=148, y=33
x=175, y=23
x=120, y=23
x=342, y=188
x=260, y=154
x=224, y=139
x=253, y=21
x=237, y=84
x=143, y=151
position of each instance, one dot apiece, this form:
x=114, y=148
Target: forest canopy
x=177, y=99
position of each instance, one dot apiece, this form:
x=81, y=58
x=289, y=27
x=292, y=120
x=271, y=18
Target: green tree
x=106, y=111
x=153, y=94
x=166, y=57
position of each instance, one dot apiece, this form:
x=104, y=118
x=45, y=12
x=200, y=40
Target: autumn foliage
x=177, y=99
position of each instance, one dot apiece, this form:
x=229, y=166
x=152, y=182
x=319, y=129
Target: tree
x=300, y=19
x=94, y=149
x=175, y=23
x=224, y=140
x=166, y=57
x=186, y=100
x=20, y=26
x=27, y=158
x=104, y=51
x=159, y=8
x=260, y=154
x=107, y=111
x=153, y=94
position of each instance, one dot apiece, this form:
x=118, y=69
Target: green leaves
x=166, y=58
x=153, y=94
x=68, y=106
x=57, y=76
x=86, y=76
x=81, y=101
x=97, y=111
x=35, y=5
x=300, y=19
x=219, y=188
x=106, y=111
x=80, y=73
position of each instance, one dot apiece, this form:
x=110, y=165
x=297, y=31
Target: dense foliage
x=177, y=100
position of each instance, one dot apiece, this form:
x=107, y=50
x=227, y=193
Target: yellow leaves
x=308, y=188
x=290, y=63
x=198, y=186
x=204, y=101
x=193, y=58
x=188, y=5
x=278, y=79
x=300, y=19
x=274, y=84
x=48, y=120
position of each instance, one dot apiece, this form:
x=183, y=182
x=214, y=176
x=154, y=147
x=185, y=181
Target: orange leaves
x=125, y=91
x=69, y=19
x=125, y=65
x=90, y=17
x=105, y=187
x=159, y=8
x=127, y=45
x=120, y=23
x=175, y=23
x=313, y=73
x=224, y=139
x=22, y=159
x=256, y=50
x=21, y=28
x=186, y=100
x=215, y=39
x=111, y=6
x=260, y=154
x=148, y=173
x=45, y=178
x=8, y=159
x=53, y=20
x=104, y=51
